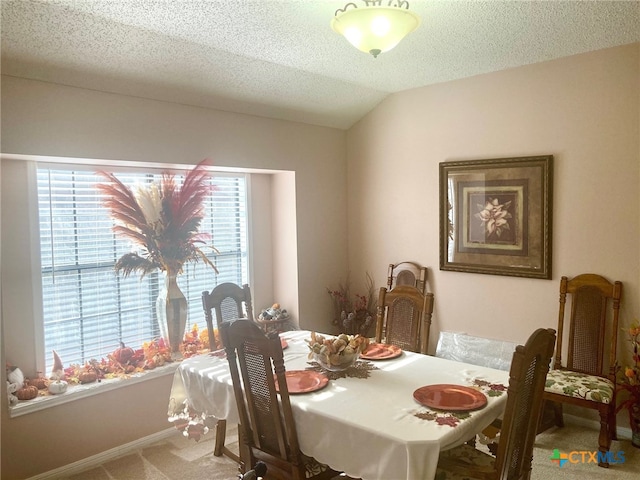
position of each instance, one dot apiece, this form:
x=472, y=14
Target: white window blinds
x=88, y=309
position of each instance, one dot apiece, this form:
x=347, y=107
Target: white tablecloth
x=366, y=427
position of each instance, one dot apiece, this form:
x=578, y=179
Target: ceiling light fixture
x=374, y=28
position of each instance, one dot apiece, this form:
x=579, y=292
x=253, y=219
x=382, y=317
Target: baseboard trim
x=623, y=433
x=95, y=460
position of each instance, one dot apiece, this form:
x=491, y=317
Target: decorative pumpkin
x=87, y=376
x=40, y=383
x=58, y=387
x=123, y=354
x=27, y=392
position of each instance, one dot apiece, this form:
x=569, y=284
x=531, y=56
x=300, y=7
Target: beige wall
x=53, y=120
x=583, y=110
x=3, y=373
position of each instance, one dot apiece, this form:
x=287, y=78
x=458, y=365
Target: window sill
x=77, y=392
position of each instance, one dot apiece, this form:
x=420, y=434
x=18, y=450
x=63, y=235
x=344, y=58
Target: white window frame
x=35, y=354
x=89, y=314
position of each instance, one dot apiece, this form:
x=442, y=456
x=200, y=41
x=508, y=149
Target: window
x=88, y=309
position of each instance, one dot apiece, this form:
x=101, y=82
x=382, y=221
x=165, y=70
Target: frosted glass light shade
x=375, y=29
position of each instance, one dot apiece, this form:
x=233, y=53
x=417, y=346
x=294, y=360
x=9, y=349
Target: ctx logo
x=583, y=456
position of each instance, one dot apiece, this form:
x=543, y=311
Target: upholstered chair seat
x=580, y=385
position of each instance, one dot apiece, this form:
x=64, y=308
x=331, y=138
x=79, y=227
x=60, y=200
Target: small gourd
x=40, y=382
x=57, y=387
x=123, y=354
x=27, y=392
x=87, y=376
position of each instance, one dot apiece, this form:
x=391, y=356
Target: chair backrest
x=404, y=318
x=595, y=305
x=527, y=377
x=268, y=428
x=228, y=301
x=407, y=273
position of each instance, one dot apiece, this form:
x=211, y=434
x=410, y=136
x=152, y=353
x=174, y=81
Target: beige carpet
x=573, y=438
x=180, y=459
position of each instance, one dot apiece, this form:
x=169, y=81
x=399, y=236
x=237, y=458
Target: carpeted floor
x=574, y=438
x=180, y=459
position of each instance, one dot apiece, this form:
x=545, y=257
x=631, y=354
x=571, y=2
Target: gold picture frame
x=496, y=216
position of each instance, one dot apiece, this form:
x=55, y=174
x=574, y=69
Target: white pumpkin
x=59, y=386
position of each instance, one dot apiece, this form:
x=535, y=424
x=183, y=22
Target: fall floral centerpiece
x=336, y=353
x=353, y=315
x=629, y=377
x=162, y=220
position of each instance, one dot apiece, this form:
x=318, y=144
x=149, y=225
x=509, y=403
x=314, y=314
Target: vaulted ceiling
x=280, y=59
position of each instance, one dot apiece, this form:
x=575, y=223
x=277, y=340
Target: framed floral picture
x=495, y=216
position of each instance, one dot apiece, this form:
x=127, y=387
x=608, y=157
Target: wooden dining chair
x=267, y=427
x=527, y=376
x=404, y=318
x=588, y=378
x=227, y=301
x=407, y=273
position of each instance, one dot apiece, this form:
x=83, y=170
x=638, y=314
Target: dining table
x=385, y=418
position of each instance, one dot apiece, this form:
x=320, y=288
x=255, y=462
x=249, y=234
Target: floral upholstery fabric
x=464, y=455
x=580, y=385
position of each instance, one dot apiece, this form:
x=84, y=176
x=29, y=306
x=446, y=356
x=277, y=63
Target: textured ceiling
x=281, y=59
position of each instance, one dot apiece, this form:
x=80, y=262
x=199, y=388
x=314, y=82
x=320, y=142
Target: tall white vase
x=171, y=308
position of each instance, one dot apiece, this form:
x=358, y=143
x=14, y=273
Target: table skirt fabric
x=370, y=428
